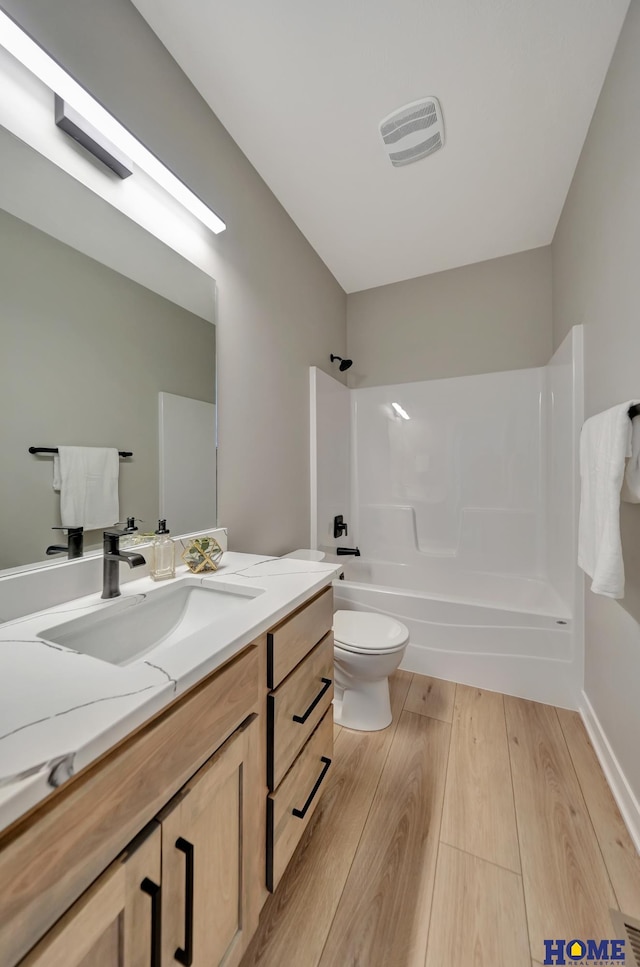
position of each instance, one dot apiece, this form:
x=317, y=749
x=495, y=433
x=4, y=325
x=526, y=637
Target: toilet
x=368, y=647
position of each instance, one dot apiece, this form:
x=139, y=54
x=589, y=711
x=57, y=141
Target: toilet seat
x=364, y=632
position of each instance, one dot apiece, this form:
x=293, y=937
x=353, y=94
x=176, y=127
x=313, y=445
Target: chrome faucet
x=113, y=557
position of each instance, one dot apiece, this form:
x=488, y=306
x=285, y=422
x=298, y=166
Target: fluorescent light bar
x=400, y=411
x=47, y=70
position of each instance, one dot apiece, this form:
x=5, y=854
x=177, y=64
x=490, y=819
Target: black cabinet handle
x=184, y=955
x=303, y=718
x=155, y=892
x=301, y=813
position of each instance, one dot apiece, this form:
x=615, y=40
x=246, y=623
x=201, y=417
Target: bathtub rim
x=562, y=617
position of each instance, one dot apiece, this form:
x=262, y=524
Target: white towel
x=631, y=482
x=87, y=478
x=605, y=443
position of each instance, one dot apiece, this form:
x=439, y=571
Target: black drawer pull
x=326, y=683
x=301, y=813
x=155, y=892
x=184, y=955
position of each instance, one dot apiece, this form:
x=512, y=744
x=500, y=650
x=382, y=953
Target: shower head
x=344, y=363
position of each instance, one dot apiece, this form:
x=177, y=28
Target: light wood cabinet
x=299, y=726
x=116, y=923
x=188, y=888
x=51, y=856
x=290, y=641
x=291, y=806
x=209, y=845
x=296, y=707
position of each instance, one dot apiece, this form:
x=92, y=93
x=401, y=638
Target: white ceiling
x=302, y=86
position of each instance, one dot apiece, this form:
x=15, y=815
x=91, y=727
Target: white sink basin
x=131, y=627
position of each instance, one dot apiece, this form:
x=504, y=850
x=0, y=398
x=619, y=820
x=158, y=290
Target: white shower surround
x=466, y=517
x=461, y=482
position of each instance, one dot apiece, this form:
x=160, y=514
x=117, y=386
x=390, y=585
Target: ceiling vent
x=413, y=131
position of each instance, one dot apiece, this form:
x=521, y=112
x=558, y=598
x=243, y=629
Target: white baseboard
x=622, y=792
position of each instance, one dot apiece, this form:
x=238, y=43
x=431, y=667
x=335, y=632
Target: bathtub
x=501, y=632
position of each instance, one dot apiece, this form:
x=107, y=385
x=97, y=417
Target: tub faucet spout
x=342, y=551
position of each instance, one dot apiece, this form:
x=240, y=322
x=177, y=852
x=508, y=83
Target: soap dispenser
x=163, y=564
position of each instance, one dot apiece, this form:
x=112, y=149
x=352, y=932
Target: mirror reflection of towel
x=631, y=483
x=87, y=478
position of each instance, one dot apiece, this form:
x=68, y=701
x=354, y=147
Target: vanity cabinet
x=64, y=847
x=116, y=922
x=156, y=853
x=299, y=725
x=185, y=891
x=209, y=849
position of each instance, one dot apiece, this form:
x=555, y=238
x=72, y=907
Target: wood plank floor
x=466, y=833
x=479, y=814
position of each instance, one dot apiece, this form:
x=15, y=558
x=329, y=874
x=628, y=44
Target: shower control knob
x=339, y=526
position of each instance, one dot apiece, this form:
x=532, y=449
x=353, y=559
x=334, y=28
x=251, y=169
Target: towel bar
x=123, y=453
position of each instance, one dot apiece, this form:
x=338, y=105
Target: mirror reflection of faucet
x=74, y=547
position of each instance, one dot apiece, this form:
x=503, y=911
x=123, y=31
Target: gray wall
x=480, y=318
x=279, y=308
x=596, y=281
x=85, y=353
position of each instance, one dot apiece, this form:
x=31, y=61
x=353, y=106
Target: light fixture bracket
x=73, y=124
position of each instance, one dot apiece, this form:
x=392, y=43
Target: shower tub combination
x=462, y=496
x=501, y=632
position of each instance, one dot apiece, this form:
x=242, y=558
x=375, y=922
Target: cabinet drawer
x=290, y=641
x=290, y=808
x=296, y=707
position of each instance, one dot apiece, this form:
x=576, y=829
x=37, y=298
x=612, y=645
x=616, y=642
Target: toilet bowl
x=368, y=647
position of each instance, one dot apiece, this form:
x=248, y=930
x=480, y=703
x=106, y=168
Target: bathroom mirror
x=86, y=349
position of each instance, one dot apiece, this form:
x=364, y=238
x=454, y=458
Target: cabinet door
x=210, y=880
x=116, y=923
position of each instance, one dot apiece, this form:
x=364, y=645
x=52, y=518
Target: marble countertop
x=60, y=709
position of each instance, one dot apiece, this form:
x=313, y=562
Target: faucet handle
x=339, y=526
x=70, y=530
x=127, y=527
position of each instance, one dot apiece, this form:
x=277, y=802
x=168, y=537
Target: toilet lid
x=367, y=631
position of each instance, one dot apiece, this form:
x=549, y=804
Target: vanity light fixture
x=400, y=411
x=46, y=69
